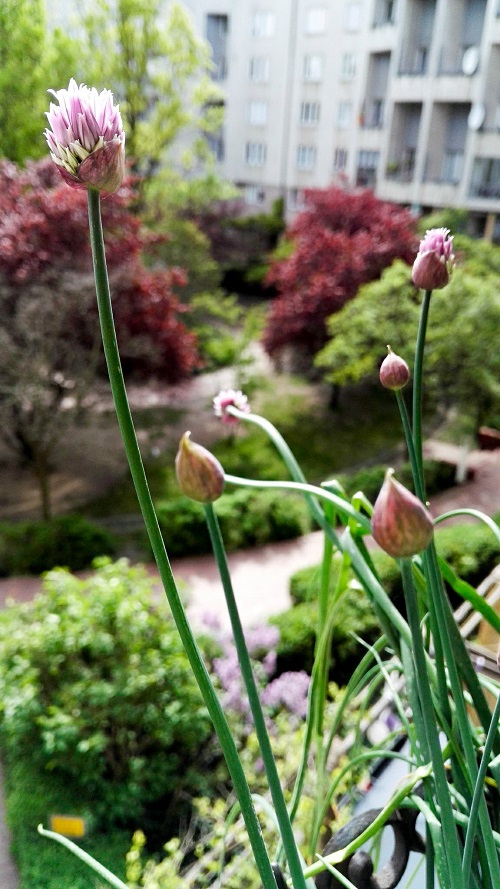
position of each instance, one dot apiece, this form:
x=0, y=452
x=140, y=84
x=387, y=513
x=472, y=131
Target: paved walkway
x=260, y=577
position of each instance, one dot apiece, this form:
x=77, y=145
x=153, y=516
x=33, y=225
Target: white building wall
x=398, y=137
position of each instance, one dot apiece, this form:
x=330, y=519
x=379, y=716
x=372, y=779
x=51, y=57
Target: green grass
x=31, y=797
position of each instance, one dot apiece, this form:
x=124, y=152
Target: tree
x=462, y=362
x=48, y=322
x=159, y=70
x=29, y=55
x=342, y=240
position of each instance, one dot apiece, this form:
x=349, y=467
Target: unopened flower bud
x=199, y=473
x=434, y=261
x=401, y=524
x=394, y=371
x=86, y=137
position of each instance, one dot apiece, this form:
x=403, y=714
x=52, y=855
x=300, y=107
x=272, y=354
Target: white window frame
x=316, y=20
x=352, y=15
x=344, y=115
x=306, y=157
x=258, y=69
x=313, y=68
x=309, y=114
x=348, y=64
x=255, y=154
x=340, y=159
x=263, y=23
x=257, y=112
x=255, y=195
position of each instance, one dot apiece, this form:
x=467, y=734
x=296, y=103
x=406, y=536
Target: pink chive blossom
x=401, y=524
x=230, y=398
x=434, y=261
x=86, y=137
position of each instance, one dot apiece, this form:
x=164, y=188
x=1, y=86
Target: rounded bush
x=94, y=681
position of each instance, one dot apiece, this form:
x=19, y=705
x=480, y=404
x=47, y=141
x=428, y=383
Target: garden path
x=260, y=577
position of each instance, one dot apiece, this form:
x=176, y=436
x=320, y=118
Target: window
x=453, y=163
x=348, y=66
x=259, y=69
x=309, y=113
x=313, y=68
x=217, y=30
x=216, y=143
x=306, y=157
x=340, y=159
x=257, y=113
x=255, y=154
x=263, y=24
x=296, y=199
x=316, y=20
x=344, y=114
x=352, y=16
x=367, y=168
x=385, y=13
x=254, y=195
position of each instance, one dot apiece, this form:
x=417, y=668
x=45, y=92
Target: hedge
x=68, y=541
x=247, y=517
x=471, y=550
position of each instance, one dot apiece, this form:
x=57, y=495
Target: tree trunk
x=42, y=472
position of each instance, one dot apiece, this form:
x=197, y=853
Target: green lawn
x=31, y=797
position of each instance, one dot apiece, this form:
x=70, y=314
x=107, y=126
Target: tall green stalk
x=143, y=494
x=280, y=808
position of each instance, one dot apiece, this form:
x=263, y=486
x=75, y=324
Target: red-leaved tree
x=49, y=330
x=341, y=240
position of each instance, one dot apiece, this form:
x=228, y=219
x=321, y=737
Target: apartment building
x=400, y=95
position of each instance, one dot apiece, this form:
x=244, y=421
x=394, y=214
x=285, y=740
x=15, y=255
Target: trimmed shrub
x=440, y=476
x=471, y=550
x=247, y=517
x=68, y=541
x=95, y=683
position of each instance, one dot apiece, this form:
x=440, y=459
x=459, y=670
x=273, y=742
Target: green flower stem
x=479, y=791
x=345, y=510
x=87, y=859
x=417, y=379
x=143, y=494
x=484, y=837
x=283, y=819
x=412, y=454
x=431, y=739
x=291, y=464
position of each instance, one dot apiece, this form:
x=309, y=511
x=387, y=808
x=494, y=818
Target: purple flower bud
x=401, y=524
x=394, y=371
x=230, y=398
x=86, y=138
x=434, y=261
x=199, y=473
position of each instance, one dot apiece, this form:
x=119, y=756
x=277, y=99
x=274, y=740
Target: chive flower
x=86, y=137
x=230, y=398
x=199, y=473
x=434, y=261
x=394, y=371
x=401, y=524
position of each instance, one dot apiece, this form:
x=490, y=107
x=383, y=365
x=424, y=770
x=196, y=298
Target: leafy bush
x=94, y=681
x=298, y=625
x=304, y=584
x=471, y=550
x=69, y=541
x=247, y=518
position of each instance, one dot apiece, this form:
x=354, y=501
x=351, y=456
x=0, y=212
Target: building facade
x=400, y=95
